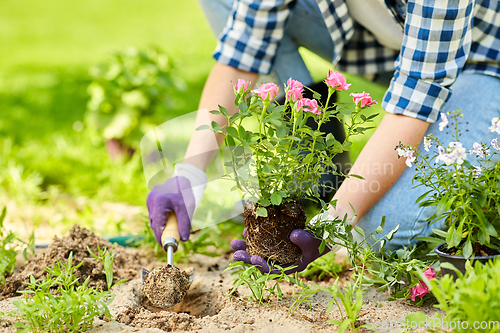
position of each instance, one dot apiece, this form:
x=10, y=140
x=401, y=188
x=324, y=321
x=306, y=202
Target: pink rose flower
x=421, y=288
x=267, y=91
x=419, y=291
x=429, y=273
x=364, y=99
x=337, y=81
x=294, y=90
x=311, y=103
x=294, y=94
x=241, y=86
x=294, y=84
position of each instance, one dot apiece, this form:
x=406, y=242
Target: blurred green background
x=52, y=173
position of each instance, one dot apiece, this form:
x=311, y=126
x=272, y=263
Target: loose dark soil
x=127, y=262
x=166, y=286
x=269, y=237
x=479, y=251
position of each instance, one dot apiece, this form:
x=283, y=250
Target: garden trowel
x=170, y=241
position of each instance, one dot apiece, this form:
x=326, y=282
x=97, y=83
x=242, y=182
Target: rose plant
x=281, y=159
x=465, y=194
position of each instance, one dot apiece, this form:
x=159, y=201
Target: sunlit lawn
x=52, y=174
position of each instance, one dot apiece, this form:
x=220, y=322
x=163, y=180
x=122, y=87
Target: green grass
x=52, y=173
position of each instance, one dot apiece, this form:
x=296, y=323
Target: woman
x=445, y=56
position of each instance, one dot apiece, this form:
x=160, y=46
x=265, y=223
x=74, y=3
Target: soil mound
x=126, y=265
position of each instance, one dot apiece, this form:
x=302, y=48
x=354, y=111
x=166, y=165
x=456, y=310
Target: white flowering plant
x=466, y=193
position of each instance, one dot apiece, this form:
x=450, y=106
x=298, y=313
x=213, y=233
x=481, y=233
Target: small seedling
x=59, y=303
x=323, y=267
x=262, y=285
x=303, y=296
x=106, y=258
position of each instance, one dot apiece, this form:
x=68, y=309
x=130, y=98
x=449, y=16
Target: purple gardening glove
x=303, y=239
x=175, y=195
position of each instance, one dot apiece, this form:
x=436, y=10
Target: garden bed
x=206, y=307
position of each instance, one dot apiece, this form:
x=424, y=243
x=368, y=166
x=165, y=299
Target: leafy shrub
x=129, y=92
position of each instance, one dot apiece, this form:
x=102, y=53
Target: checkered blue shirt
x=442, y=38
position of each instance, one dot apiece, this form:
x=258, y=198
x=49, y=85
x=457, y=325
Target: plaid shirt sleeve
x=252, y=34
x=437, y=41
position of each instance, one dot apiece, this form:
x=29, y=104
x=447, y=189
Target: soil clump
x=166, y=286
x=269, y=237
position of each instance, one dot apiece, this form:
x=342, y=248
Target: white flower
x=494, y=144
x=444, y=121
x=427, y=143
x=495, y=125
x=401, y=152
x=458, y=152
x=479, y=150
x=477, y=170
x=408, y=153
x=455, y=153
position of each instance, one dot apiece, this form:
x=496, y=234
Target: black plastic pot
x=457, y=261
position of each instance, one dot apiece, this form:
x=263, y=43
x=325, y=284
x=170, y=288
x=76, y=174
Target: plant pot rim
x=446, y=255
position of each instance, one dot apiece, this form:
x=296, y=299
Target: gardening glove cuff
x=197, y=178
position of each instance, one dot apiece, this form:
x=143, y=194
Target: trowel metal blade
x=144, y=274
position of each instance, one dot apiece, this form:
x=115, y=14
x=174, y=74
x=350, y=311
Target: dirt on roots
x=269, y=237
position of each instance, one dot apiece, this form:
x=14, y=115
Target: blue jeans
x=476, y=95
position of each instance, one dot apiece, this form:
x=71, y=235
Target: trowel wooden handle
x=171, y=229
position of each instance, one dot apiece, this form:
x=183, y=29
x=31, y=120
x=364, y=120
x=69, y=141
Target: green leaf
x=432, y=240
x=230, y=141
x=439, y=232
x=479, y=211
x=2, y=216
x=490, y=229
x=281, y=132
x=215, y=112
x=223, y=110
x=382, y=223
x=243, y=107
x=215, y=126
x=359, y=230
x=232, y=131
x=468, y=248
x=423, y=196
x=308, y=159
x=390, y=235
x=276, y=199
x=261, y=211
